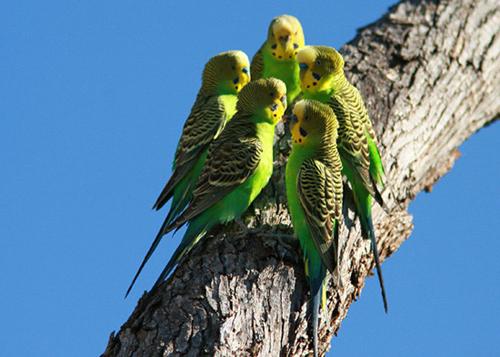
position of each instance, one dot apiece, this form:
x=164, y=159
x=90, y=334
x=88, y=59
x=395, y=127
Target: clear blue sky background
x=93, y=95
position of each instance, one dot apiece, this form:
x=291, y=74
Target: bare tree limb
x=430, y=74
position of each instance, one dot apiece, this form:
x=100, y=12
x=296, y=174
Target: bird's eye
x=302, y=131
x=295, y=45
x=245, y=70
x=318, y=62
x=274, y=46
x=274, y=107
x=303, y=66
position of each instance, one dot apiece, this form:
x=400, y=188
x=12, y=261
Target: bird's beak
x=284, y=40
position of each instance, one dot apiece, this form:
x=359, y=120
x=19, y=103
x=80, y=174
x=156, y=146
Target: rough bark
x=430, y=74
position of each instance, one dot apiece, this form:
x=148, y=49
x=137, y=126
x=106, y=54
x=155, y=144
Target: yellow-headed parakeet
x=322, y=78
x=276, y=57
x=223, y=77
x=314, y=193
x=239, y=164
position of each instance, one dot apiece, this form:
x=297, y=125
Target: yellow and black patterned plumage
x=230, y=161
x=319, y=195
x=223, y=77
x=322, y=78
x=235, y=155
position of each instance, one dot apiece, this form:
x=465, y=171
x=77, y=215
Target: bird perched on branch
x=314, y=193
x=322, y=78
x=223, y=78
x=277, y=56
x=238, y=165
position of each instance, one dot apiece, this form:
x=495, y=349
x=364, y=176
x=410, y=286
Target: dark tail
x=316, y=284
x=178, y=204
x=371, y=234
x=152, y=248
x=166, y=193
x=191, y=237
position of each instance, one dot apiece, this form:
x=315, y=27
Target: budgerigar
x=322, y=78
x=223, y=77
x=314, y=193
x=238, y=166
x=276, y=57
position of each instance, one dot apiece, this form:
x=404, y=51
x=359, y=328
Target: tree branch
x=430, y=75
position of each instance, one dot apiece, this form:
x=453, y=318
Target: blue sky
x=93, y=98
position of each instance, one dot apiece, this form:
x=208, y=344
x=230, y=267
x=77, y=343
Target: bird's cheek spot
x=274, y=54
x=236, y=87
x=314, y=83
x=300, y=140
x=290, y=56
x=273, y=46
x=279, y=57
x=308, y=86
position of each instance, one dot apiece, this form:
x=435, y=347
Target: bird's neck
x=339, y=83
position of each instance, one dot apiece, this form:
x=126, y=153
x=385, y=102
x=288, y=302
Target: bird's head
x=285, y=37
x=226, y=73
x=266, y=98
x=312, y=123
x=318, y=66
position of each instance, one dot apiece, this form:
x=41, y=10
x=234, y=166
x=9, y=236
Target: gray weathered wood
x=430, y=74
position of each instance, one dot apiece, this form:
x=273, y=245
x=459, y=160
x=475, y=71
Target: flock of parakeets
x=224, y=157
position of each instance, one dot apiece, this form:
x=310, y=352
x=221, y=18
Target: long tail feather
x=165, y=195
x=178, y=205
x=148, y=255
x=316, y=284
x=371, y=234
x=189, y=240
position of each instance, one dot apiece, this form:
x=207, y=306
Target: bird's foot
x=243, y=229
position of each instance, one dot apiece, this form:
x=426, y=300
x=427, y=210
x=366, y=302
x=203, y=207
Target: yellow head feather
x=226, y=73
x=313, y=123
x=285, y=37
x=265, y=97
x=319, y=65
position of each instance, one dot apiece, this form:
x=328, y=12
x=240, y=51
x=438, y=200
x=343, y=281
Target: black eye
x=318, y=62
x=245, y=70
x=302, y=131
x=295, y=45
x=273, y=46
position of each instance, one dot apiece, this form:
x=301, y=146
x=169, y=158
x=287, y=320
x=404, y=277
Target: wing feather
x=231, y=160
x=320, y=195
x=257, y=65
x=205, y=122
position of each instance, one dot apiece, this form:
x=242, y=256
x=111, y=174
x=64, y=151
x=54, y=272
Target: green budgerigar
x=314, y=193
x=223, y=78
x=238, y=166
x=277, y=56
x=323, y=79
